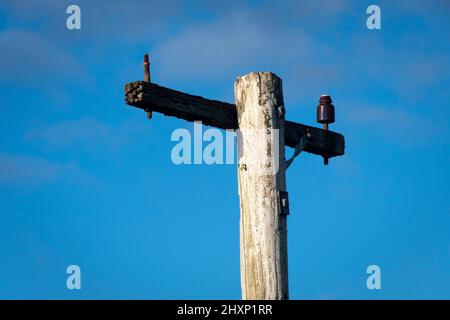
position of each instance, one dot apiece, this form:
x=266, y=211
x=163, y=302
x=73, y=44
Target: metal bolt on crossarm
x=147, y=79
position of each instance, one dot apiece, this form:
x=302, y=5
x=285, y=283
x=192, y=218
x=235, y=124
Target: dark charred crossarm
x=154, y=98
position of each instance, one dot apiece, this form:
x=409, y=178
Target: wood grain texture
x=261, y=174
x=152, y=97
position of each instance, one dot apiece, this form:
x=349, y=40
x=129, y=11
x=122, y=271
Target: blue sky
x=86, y=180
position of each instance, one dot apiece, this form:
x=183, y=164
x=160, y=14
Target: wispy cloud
x=218, y=51
x=88, y=134
x=394, y=124
x=102, y=23
x=27, y=53
x=31, y=171
x=33, y=63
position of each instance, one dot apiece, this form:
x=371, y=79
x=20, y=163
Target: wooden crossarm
x=155, y=98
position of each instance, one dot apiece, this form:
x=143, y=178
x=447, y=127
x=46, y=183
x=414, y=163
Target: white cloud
x=233, y=45
x=395, y=124
x=86, y=133
x=26, y=53
x=31, y=171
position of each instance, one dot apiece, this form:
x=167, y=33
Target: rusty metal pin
x=146, y=68
x=325, y=115
x=147, y=78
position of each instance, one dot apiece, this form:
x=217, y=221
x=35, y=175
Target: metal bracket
x=298, y=149
x=283, y=198
x=281, y=111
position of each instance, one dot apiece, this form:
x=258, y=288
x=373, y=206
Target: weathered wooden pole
x=262, y=135
x=262, y=187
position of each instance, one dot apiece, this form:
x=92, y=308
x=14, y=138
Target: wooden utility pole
x=262, y=179
x=263, y=133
